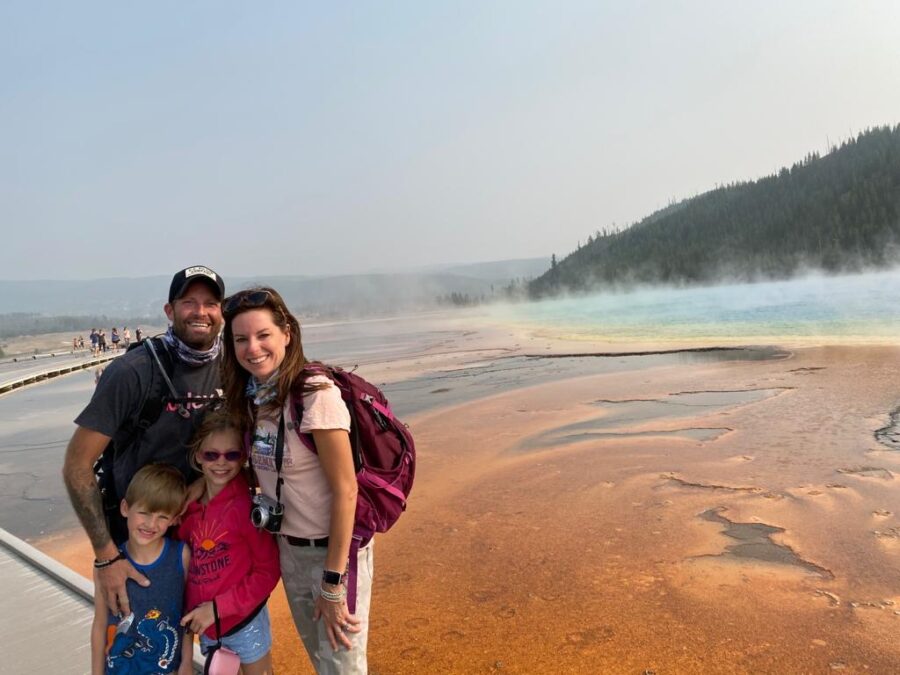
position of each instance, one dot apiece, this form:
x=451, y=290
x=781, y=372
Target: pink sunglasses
x=229, y=455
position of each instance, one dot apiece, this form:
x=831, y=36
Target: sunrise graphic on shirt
x=206, y=537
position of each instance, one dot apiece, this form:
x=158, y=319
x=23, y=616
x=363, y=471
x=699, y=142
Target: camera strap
x=279, y=457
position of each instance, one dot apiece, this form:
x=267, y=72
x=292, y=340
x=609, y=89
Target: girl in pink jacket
x=234, y=566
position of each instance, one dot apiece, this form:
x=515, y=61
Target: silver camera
x=266, y=513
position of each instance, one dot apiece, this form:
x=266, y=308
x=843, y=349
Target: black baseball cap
x=189, y=275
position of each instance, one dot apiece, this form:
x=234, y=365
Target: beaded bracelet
x=331, y=596
x=100, y=564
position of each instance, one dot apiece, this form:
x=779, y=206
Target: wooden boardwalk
x=46, y=611
x=14, y=375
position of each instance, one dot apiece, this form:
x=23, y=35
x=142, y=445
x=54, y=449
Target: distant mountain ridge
x=344, y=295
x=837, y=213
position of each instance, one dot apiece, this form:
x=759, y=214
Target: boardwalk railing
x=45, y=371
x=57, y=574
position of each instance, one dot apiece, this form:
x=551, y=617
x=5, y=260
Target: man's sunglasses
x=213, y=456
x=245, y=299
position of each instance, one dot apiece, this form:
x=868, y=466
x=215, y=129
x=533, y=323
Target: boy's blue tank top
x=149, y=640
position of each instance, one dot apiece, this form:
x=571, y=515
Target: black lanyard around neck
x=279, y=457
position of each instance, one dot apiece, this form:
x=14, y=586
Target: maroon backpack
x=384, y=456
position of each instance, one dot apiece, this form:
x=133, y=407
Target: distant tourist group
x=199, y=489
x=99, y=343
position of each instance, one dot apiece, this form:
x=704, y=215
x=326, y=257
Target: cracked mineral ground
x=719, y=511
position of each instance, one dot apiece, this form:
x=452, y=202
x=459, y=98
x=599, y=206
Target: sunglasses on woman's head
x=245, y=299
x=213, y=456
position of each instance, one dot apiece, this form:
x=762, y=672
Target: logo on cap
x=200, y=269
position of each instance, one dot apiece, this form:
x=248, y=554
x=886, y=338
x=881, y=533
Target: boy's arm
x=187, y=642
x=187, y=655
x=185, y=558
x=98, y=633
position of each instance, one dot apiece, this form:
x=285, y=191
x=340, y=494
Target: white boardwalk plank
x=44, y=626
x=46, y=612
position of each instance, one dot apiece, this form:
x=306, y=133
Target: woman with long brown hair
x=309, y=498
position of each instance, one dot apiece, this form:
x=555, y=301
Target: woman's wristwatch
x=333, y=578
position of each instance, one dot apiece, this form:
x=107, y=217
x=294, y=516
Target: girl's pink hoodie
x=231, y=560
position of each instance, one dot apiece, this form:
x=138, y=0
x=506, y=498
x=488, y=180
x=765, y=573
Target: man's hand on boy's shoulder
x=111, y=581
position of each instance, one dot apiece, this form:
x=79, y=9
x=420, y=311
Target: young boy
x=149, y=640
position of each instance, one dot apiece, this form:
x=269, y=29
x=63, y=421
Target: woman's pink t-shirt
x=305, y=493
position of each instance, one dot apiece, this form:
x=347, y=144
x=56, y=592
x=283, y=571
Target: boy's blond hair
x=157, y=487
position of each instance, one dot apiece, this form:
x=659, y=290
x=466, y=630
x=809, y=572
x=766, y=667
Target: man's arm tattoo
x=88, y=507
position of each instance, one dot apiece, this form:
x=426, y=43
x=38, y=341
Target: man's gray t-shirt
x=117, y=402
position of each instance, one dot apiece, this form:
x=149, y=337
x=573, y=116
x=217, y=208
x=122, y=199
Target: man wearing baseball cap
x=143, y=411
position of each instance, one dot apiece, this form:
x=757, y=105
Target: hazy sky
x=307, y=138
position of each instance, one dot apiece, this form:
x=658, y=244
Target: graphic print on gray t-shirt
x=117, y=401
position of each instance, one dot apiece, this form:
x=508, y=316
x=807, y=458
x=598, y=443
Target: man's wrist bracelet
x=100, y=564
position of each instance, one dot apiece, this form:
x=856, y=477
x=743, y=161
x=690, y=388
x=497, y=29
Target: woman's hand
x=338, y=620
x=200, y=618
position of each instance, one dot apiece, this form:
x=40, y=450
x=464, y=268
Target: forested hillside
x=837, y=213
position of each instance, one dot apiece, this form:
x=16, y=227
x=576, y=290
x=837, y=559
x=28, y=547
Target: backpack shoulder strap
x=162, y=368
x=296, y=409
x=296, y=412
x=153, y=401
x=297, y=390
